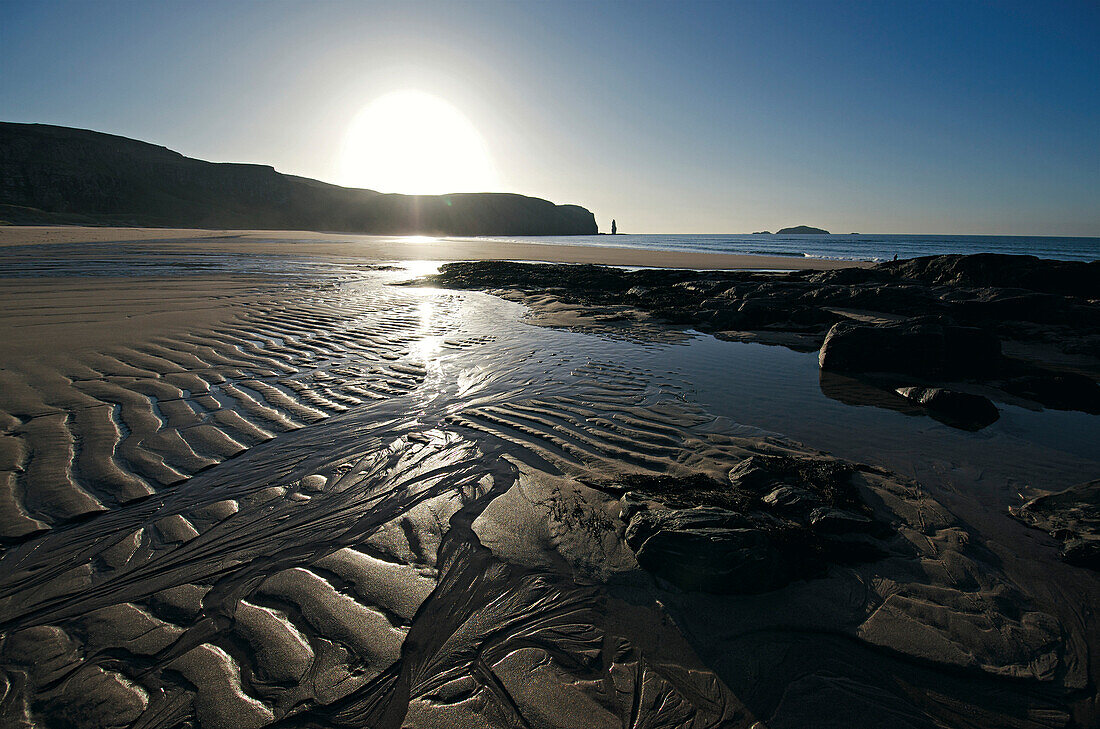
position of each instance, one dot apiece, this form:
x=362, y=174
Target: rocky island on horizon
x=802, y=230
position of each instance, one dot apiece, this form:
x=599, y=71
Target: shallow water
x=780, y=390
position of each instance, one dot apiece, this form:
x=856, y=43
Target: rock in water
x=958, y=409
x=922, y=346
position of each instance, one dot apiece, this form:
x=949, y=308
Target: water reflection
x=784, y=392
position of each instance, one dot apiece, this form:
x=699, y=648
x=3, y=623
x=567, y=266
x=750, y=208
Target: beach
x=373, y=247
x=257, y=478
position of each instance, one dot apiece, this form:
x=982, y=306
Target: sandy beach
x=373, y=247
x=257, y=479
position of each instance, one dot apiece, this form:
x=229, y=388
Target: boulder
x=957, y=409
x=922, y=346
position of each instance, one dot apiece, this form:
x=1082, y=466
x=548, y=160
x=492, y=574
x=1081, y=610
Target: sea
x=848, y=247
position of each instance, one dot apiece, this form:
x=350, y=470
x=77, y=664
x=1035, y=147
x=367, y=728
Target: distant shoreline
x=378, y=247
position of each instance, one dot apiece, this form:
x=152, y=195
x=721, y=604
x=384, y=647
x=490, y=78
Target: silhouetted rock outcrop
x=801, y=230
x=52, y=174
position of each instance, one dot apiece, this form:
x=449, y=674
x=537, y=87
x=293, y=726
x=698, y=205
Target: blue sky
x=903, y=117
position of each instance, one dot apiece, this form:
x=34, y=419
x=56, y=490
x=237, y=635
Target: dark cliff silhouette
x=51, y=174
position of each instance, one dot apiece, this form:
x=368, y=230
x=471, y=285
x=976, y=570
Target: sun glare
x=413, y=142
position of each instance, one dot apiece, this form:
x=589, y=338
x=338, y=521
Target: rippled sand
x=251, y=487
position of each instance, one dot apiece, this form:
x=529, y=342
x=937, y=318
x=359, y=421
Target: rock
x=1061, y=391
x=780, y=518
x=313, y=482
x=995, y=270
x=706, y=549
x=1071, y=516
x=827, y=520
x=1082, y=553
x=824, y=480
x=791, y=498
x=801, y=230
x=957, y=409
x=924, y=346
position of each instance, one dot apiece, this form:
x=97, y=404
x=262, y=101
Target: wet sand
x=252, y=483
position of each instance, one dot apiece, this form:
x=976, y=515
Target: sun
x=415, y=143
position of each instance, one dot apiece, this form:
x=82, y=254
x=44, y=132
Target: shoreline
x=380, y=247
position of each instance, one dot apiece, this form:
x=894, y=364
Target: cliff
x=52, y=174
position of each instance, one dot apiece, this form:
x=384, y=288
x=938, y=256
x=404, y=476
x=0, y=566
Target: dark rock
x=827, y=520
x=801, y=230
x=791, y=498
x=1061, y=391
x=52, y=174
x=706, y=549
x=1082, y=553
x=995, y=270
x=924, y=346
x=1000, y=305
x=846, y=276
x=779, y=518
x=1072, y=517
x=958, y=409
x=828, y=479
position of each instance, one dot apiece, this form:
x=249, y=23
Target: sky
x=671, y=117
